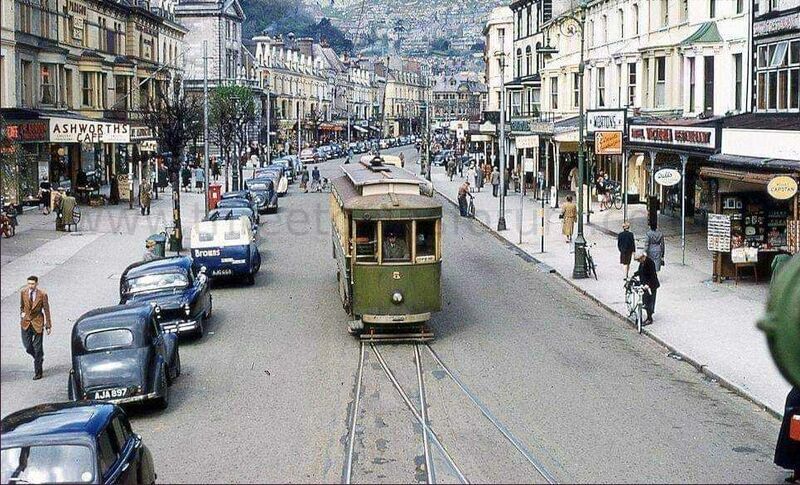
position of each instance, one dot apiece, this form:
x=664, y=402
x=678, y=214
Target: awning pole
x=684, y=160
x=626, y=155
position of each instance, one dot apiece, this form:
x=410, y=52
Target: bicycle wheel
x=618, y=201
x=471, y=209
x=639, y=315
x=590, y=267
x=630, y=302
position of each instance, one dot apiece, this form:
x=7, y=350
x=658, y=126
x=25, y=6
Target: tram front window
x=366, y=242
x=395, y=242
x=426, y=241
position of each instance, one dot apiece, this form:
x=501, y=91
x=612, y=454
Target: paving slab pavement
x=710, y=325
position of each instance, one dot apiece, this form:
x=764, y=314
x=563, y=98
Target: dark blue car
x=183, y=297
x=73, y=443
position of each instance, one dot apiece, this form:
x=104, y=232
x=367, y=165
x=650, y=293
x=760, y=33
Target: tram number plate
x=396, y=275
x=111, y=393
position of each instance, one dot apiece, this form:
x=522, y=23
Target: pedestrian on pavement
x=45, y=189
x=507, y=181
x=199, y=179
x=479, y=177
x=472, y=177
x=654, y=246
x=461, y=167
x=186, y=176
x=215, y=169
x=145, y=196
x=787, y=451
x=573, y=179
x=34, y=319
x=626, y=245
x=315, y=179
x=495, y=178
x=569, y=214
x=649, y=278
x=463, y=192
x=451, y=168
x=150, y=250
x=304, y=180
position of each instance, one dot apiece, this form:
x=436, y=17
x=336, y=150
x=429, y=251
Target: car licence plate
x=111, y=393
x=221, y=272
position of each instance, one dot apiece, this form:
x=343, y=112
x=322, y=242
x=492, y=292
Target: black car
x=120, y=354
x=249, y=202
x=230, y=213
x=183, y=298
x=86, y=442
x=265, y=194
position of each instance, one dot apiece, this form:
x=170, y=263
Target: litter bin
x=214, y=195
x=161, y=244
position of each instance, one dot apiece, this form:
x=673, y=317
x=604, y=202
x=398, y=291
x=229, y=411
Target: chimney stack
x=305, y=46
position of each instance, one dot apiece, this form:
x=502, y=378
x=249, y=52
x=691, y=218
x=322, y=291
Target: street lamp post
x=235, y=167
x=501, y=219
x=570, y=25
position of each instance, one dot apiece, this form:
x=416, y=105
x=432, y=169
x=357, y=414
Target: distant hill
x=274, y=17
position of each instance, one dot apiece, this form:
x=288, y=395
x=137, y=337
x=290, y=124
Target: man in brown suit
x=35, y=318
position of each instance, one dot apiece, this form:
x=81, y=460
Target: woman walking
x=569, y=214
x=654, y=246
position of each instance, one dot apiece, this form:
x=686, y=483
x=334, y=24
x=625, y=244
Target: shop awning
x=329, y=127
x=358, y=128
x=65, y=127
x=756, y=162
x=739, y=175
x=707, y=33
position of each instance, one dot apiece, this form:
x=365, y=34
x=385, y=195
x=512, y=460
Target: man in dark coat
x=787, y=451
x=649, y=277
x=626, y=246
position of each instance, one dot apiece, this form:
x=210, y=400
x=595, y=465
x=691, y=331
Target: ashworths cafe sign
x=66, y=130
x=674, y=136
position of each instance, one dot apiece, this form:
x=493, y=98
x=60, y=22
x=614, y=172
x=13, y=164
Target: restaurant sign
x=678, y=136
x=65, y=130
x=33, y=131
x=605, y=120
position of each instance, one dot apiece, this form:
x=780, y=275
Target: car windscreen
x=108, y=339
x=259, y=185
x=159, y=281
x=231, y=213
x=47, y=464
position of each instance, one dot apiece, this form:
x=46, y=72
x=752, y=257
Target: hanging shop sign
x=667, y=177
x=719, y=233
x=608, y=143
x=782, y=187
x=139, y=133
x=527, y=141
x=65, y=130
x=33, y=131
x=677, y=136
x=605, y=120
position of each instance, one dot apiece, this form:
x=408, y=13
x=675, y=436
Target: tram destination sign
x=605, y=120
x=678, y=136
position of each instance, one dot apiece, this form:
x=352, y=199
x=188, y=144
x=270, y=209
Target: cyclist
x=649, y=277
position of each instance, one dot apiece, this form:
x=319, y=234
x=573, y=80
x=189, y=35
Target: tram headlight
x=397, y=297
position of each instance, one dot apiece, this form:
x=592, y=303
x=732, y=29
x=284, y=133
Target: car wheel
x=210, y=307
x=250, y=279
x=163, y=401
x=200, y=330
x=178, y=363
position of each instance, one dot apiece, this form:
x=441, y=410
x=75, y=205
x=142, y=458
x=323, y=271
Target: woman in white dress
x=472, y=176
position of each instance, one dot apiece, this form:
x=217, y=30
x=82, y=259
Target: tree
x=173, y=117
x=231, y=110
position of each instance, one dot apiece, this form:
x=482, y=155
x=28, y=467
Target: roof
x=707, y=33
x=756, y=163
x=361, y=174
x=157, y=266
x=123, y=315
x=712, y=121
x=351, y=200
x=76, y=418
x=764, y=121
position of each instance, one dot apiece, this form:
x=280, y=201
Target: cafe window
x=737, y=76
x=631, y=83
x=395, y=247
x=691, y=84
x=426, y=241
x=366, y=242
x=26, y=76
x=121, y=92
x=576, y=89
x=67, y=89
x=661, y=82
x=601, y=87
x=708, y=93
x=554, y=92
x=47, y=84
x=778, y=76
x=87, y=89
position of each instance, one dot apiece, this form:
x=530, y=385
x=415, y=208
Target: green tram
x=387, y=241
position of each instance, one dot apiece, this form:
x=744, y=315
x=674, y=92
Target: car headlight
x=187, y=308
x=397, y=298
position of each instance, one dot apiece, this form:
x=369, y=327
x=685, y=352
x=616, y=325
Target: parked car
x=230, y=213
x=183, y=298
x=288, y=169
x=263, y=189
x=73, y=442
x=278, y=174
x=120, y=354
x=225, y=248
x=309, y=155
x=250, y=202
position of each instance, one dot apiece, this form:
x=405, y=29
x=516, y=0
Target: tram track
x=430, y=439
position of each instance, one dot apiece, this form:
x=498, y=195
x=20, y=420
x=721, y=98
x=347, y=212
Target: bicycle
x=634, y=291
x=591, y=268
x=471, y=206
